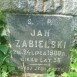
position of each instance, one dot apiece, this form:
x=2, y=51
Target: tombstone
x=40, y=41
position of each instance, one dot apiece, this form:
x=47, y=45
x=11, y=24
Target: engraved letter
x=30, y=43
x=29, y=21
x=24, y=44
x=39, y=33
x=47, y=33
x=40, y=44
x=59, y=44
x=64, y=44
x=33, y=33
x=53, y=44
x=17, y=43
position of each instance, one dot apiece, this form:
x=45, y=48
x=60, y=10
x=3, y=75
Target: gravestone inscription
x=40, y=41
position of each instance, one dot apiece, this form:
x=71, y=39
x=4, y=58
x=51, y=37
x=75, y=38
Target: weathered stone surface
x=48, y=6
x=43, y=6
x=40, y=41
x=5, y=4
x=74, y=26
x=31, y=6
x=39, y=6
x=68, y=7
x=19, y=5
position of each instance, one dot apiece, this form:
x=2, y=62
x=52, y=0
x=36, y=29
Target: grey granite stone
x=74, y=27
x=31, y=6
x=48, y=6
x=5, y=4
x=20, y=4
x=39, y=6
x=68, y=7
x=43, y=6
x=40, y=41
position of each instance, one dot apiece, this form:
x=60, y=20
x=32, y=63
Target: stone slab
x=67, y=7
x=40, y=41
